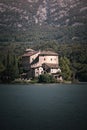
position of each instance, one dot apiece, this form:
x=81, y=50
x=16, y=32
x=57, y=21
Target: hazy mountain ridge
x=19, y=16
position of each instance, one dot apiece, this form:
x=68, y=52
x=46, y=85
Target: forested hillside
x=42, y=20
x=72, y=59
x=58, y=25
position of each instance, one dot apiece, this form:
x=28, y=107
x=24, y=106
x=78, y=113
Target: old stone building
x=39, y=62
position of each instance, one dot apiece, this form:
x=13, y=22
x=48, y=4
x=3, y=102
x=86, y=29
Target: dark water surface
x=43, y=107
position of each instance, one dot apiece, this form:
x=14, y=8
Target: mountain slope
x=19, y=17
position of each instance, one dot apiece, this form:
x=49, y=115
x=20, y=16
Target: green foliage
x=65, y=68
x=75, y=53
x=38, y=34
x=20, y=65
x=2, y=67
x=46, y=78
x=81, y=71
x=10, y=71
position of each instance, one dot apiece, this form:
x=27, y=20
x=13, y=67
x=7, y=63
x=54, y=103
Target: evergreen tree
x=11, y=69
x=2, y=67
x=65, y=67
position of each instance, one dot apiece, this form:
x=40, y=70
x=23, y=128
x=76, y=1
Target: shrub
x=46, y=78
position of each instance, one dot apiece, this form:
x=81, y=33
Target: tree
x=65, y=67
x=20, y=67
x=2, y=67
x=11, y=69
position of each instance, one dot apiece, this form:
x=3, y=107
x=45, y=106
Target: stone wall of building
x=48, y=59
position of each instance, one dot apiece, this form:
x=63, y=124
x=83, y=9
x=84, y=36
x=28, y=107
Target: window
x=44, y=59
x=41, y=72
x=51, y=59
x=32, y=59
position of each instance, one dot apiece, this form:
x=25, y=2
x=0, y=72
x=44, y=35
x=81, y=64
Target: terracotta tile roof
x=29, y=54
x=44, y=53
x=54, y=66
x=29, y=50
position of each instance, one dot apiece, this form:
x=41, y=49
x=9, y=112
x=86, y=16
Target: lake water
x=43, y=107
